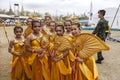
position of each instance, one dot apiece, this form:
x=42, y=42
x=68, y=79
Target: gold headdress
x=88, y=44
x=35, y=16
x=17, y=23
x=47, y=14
x=60, y=21
x=53, y=18
x=30, y=16
x=75, y=20
x=67, y=17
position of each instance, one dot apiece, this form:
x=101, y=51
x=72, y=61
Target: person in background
x=28, y=30
x=100, y=31
x=52, y=26
x=45, y=28
x=67, y=25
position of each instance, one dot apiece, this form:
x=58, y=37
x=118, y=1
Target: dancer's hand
x=38, y=50
x=56, y=60
x=41, y=55
x=18, y=54
x=79, y=59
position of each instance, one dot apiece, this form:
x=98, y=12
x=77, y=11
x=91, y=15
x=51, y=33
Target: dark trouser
x=99, y=54
x=106, y=35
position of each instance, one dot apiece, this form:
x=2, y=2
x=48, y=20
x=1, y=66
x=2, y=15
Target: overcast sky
x=60, y=6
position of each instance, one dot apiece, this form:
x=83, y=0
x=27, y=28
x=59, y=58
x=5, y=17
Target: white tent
x=4, y=16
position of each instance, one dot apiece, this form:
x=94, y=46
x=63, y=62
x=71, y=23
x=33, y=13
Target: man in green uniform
x=100, y=31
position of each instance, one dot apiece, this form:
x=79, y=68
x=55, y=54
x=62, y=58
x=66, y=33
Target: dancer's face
x=75, y=30
x=36, y=27
x=52, y=26
x=18, y=32
x=59, y=31
x=29, y=22
x=67, y=26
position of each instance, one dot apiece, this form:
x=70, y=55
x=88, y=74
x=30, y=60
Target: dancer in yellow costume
x=61, y=68
x=67, y=25
x=52, y=26
x=28, y=30
x=51, y=31
x=20, y=69
x=45, y=28
x=86, y=45
x=38, y=58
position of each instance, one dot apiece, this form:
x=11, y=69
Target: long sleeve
x=96, y=30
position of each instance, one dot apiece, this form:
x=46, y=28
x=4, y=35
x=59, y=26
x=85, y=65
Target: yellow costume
x=40, y=67
x=20, y=69
x=45, y=29
x=68, y=34
x=86, y=45
x=71, y=55
x=62, y=69
x=27, y=31
x=47, y=43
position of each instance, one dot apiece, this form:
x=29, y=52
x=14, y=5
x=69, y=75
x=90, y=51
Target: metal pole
x=115, y=16
x=16, y=11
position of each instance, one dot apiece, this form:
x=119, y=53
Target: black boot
x=99, y=61
x=100, y=57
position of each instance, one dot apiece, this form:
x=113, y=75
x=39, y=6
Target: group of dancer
x=50, y=50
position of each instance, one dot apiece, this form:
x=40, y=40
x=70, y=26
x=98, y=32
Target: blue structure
x=84, y=22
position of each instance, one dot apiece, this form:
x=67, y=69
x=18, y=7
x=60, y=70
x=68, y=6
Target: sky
x=57, y=7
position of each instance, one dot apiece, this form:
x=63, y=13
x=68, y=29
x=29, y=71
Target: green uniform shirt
x=101, y=28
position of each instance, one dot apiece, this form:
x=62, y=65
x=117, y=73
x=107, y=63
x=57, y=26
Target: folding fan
x=88, y=44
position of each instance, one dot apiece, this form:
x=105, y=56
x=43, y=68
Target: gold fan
x=44, y=42
x=61, y=43
x=88, y=44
